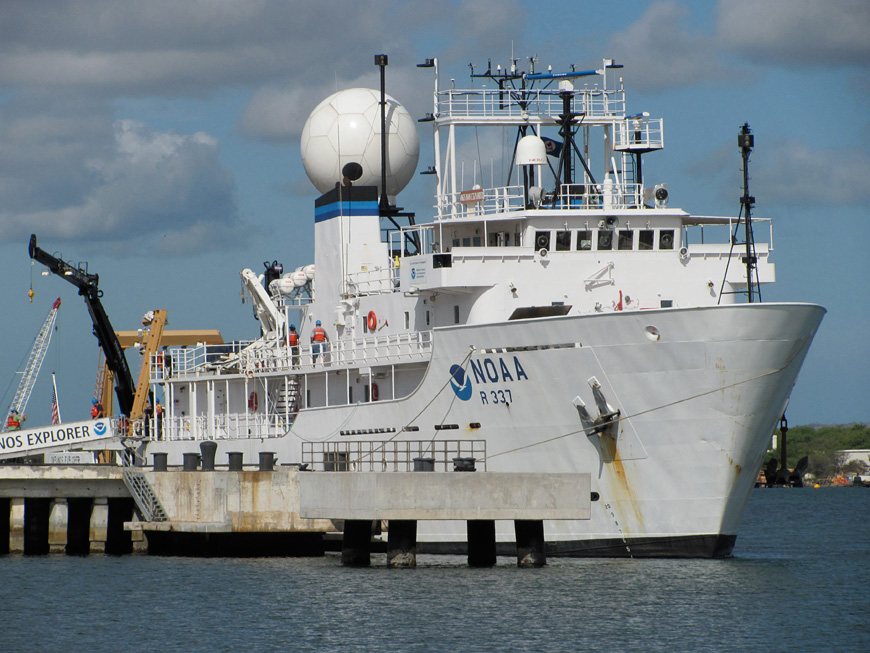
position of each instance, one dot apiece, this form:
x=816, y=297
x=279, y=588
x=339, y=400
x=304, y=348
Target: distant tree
x=854, y=467
x=822, y=464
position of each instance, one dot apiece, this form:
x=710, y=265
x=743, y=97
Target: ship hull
x=698, y=394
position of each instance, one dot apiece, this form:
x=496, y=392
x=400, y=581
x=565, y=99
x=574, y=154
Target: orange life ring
x=373, y=321
x=253, y=402
x=374, y=391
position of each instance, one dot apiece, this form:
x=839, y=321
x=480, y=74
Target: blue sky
x=159, y=142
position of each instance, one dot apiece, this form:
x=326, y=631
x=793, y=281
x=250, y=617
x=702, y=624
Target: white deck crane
x=34, y=363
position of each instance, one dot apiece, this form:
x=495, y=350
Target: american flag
x=55, y=413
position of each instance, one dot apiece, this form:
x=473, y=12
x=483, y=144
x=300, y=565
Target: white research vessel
x=569, y=320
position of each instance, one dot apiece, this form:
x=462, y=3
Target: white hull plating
x=696, y=408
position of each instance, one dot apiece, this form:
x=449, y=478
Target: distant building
x=848, y=455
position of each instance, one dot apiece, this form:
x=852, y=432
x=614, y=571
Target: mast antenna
x=746, y=141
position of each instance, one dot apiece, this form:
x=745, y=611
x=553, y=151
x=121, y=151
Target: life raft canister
x=253, y=402
x=372, y=321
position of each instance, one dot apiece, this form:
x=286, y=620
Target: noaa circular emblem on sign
x=100, y=428
x=460, y=383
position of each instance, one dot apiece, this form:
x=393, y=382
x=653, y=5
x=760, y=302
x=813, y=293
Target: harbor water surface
x=799, y=580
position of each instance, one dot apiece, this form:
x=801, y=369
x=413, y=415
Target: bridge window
x=542, y=240
x=584, y=240
x=605, y=239
x=645, y=240
x=626, y=239
x=666, y=239
x=563, y=241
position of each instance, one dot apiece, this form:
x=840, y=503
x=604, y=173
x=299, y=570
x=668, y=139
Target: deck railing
x=390, y=455
x=484, y=103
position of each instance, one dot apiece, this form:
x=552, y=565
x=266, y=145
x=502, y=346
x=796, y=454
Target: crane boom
x=34, y=363
x=88, y=285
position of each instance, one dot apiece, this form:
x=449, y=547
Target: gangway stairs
x=34, y=363
x=143, y=494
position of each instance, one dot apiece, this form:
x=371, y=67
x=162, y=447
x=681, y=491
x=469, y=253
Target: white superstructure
x=568, y=320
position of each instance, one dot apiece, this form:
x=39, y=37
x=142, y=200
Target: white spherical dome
x=346, y=128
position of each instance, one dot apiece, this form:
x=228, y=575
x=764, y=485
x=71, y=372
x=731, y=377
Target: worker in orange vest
x=14, y=421
x=293, y=343
x=318, y=340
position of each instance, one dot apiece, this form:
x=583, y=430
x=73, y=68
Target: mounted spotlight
x=661, y=196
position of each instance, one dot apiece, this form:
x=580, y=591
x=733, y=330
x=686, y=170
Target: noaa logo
x=100, y=428
x=460, y=383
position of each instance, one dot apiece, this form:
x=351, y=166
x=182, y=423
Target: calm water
x=799, y=580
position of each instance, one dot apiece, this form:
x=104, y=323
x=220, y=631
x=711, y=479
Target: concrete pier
x=276, y=510
x=481, y=498
x=75, y=510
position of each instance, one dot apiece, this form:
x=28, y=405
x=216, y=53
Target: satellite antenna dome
x=343, y=134
x=531, y=151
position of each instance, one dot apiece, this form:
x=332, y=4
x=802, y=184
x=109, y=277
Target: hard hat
x=317, y=323
x=93, y=401
x=292, y=326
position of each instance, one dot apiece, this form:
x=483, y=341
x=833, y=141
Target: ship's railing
x=390, y=455
x=233, y=426
x=370, y=350
x=595, y=103
x=495, y=200
x=607, y=195
x=188, y=360
x=371, y=282
x=300, y=297
x=639, y=134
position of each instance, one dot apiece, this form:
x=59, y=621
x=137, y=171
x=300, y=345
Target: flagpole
x=56, y=406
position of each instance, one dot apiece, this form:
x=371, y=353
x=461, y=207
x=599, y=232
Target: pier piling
x=402, y=543
x=58, y=526
x=531, y=549
x=481, y=543
x=356, y=544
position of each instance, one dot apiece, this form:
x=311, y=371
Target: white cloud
x=144, y=186
x=797, y=32
x=660, y=51
x=793, y=173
